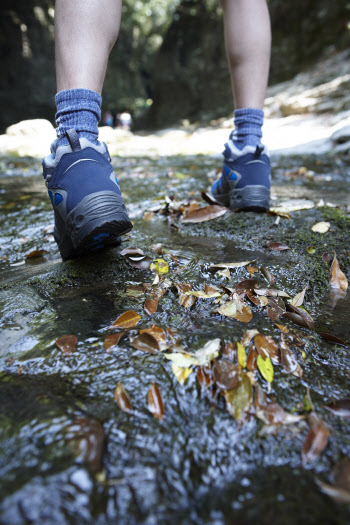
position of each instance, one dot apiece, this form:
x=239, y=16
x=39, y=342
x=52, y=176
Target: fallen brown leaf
x=278, y=246
x=67, y=343
x=123, y=399
x=204, y=214
x=155, y=402
x=225, y=374
x=146, y=343
x=112, y=340
x=340, y=407
x=338, y=279
x=316, y=439
x=150, y=306
x=128, y=319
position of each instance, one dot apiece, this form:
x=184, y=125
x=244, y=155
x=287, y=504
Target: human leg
x=245, y=182
x=85, y=195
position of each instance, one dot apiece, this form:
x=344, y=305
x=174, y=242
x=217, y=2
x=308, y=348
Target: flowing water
x=68, y=454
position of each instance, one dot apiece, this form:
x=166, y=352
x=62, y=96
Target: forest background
x=169, y=62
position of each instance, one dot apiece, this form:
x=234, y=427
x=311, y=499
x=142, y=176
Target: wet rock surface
x=69, y=454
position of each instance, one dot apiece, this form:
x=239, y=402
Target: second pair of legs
x=89, y=209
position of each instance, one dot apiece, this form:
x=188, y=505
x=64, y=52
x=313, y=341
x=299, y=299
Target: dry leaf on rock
x=128, y=319
x=298, y=299
x=338, y=279
x=155, y=402
x=204, y=214
x=267, y=274
x=185, y=300
x=230, y=352
x=248, y=336
x=321, y=227
x=230, y=265
x=122, y=398
x=277, y=246
x=67, y=343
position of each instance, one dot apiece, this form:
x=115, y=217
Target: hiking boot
x=90, y=213
x=245, y=180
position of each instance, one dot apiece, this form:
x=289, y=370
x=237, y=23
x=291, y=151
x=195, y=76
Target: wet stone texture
x=69, y=454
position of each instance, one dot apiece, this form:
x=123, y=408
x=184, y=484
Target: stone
x=28, y=128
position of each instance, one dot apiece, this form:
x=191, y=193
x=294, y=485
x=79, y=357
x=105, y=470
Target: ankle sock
x=79, y=109
x=248, y=123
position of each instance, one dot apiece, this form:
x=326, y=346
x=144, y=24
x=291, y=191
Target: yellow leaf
x=181, y=373
x=321, y=227
x=159, y=266
x=265, y=368
x=242, y=356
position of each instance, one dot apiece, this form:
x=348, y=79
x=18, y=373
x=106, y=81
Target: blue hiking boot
x=245, y=180
x=90, y=213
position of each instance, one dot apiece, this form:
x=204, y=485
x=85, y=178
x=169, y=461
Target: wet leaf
x=248, y=336
x=85, y=438
x=204, y=377
x=316, y=439
x=155, y=402
x=265, y=368
x=112, y=340
x=230, y=352
x=299, y=298
x=123, y=399
x=140, y=262
x=246, y=284
x=271, y=292
x=252, y=360
x=208, y=197
x=277, y=246
x=36, y=254
x=180, y=373
x=289, y=360
x=182, y=360
x=252, y=270
x=204, y=214
x=239, y=399
x=321, y=227
x=159, y=266
x=283, y=328
x=310, y=250
x=326, y=257
x=245, y=315
x=202, y=295
x=150, y=306
x=135, y=291
x=241, y=355
x=128, y=319
x=340, y=407
x=302, y=313
x=231, y=265
x=158, y=333
x=332, y=339
x=185, y=300
x=267, y=274
x=67, y=343
x=131, y=251
x=224, y=273
x=225, y=374
x=336, y=493
x=338, y=279
x=267, y=347
x=146, y=343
